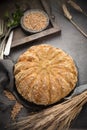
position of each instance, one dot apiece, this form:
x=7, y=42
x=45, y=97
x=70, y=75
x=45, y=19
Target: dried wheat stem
x=76, y=7
x=69, y=17
x=66, y=12
x=57, y=117
x=84, y=34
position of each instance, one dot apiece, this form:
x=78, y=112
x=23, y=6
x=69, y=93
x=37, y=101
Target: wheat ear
x=69, y=17
x=76, y=7
x=57, y=117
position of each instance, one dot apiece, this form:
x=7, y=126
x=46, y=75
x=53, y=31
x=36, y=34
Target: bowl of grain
x=34, y=20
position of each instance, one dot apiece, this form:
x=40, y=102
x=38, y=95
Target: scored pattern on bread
x=45, y=74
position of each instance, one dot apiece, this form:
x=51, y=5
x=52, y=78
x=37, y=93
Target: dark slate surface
x=71, y=41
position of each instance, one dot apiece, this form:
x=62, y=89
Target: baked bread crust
x=45, y=74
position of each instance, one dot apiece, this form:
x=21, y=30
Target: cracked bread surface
x=45, y=74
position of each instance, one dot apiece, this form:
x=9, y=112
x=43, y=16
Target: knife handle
x=8, y=44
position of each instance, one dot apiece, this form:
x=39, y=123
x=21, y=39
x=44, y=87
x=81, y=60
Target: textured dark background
x=70, y=40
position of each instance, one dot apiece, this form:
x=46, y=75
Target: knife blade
x=8, y=44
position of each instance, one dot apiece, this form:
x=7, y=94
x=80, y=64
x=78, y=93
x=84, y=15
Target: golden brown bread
x=45, y=74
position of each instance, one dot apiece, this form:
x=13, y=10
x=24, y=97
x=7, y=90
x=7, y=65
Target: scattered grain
x=9, y=95
x=16, y=108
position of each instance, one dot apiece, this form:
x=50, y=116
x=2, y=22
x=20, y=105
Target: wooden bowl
x=34, y=20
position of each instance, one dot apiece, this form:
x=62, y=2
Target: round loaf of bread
x=45, y=74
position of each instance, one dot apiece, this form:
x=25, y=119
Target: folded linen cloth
x=6, y=74
x=6, y=81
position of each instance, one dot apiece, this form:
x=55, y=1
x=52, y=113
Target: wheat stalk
x=69, y=17
x=76, y=7
x=57, y=117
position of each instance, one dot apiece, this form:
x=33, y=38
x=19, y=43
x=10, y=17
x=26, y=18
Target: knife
x=8, y=44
